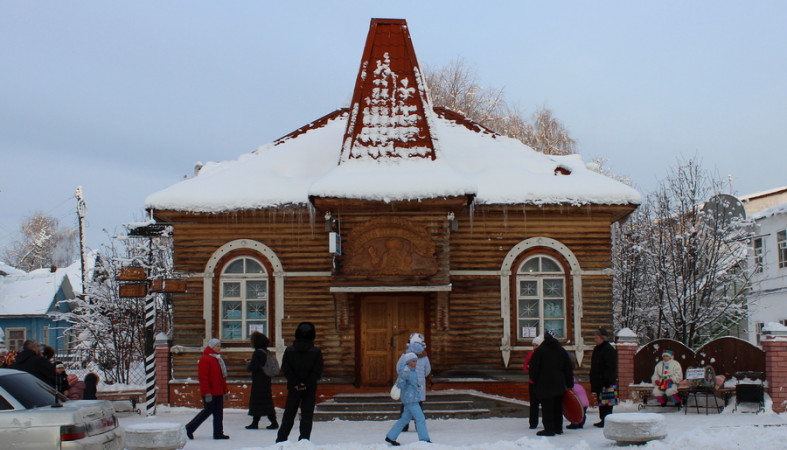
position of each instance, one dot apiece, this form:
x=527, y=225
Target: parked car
x=35, y=416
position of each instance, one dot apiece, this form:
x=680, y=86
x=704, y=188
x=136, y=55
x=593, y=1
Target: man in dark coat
x=31, y=361
x=603, y=370
x=302, y=366
x=261, y=396
x=552, y=372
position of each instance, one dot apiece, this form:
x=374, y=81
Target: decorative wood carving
x=390, y=246
x=441, y=319
x=342, y=311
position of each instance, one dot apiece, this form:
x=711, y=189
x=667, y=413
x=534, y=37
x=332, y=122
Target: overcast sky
x=122, y=98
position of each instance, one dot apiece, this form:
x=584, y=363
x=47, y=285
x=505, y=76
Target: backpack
x=271, y=367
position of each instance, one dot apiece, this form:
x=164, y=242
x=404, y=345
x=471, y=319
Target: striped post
x=150, y=355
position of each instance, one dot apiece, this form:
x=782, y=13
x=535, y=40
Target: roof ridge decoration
x=390, y=110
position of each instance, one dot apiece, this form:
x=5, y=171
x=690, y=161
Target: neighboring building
x=768, y=254
x=760, y=201
x=29, y=301
x=386, y=218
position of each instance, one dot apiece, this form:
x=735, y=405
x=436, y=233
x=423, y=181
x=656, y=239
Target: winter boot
x=255, y=422
x=274, y=424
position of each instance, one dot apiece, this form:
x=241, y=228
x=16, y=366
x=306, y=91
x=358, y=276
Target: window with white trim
x=541, y=297
x=243, y=299
x=758, y=246
x=781, y=242
x=15, y=338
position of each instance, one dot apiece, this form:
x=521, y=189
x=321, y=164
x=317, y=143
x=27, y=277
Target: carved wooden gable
x=390, y=247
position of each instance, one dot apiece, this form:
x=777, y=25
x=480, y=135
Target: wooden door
x=386, y=324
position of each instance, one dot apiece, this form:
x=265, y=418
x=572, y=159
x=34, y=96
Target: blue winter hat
x=213, y=342
x=416, y=347
x=410, y=357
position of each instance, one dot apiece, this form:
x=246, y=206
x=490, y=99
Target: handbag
x=608, y=396
x=396, y=393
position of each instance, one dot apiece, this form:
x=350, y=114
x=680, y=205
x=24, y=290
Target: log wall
x=482, y=240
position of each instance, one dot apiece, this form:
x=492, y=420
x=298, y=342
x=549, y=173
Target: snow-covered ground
x=728, y=430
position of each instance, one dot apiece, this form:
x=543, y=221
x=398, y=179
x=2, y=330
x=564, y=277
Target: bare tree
x=456, y=87
x=42, y=242
x=681, y=273
x=110, y=328
x=633, y=307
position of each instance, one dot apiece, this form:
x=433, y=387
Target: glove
x=227, y=397
x=207, y=399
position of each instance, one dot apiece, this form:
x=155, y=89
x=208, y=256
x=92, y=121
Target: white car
x=34, y=416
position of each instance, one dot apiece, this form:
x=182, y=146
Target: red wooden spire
x=390, y=107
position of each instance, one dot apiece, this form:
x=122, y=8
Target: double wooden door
x=386, y=324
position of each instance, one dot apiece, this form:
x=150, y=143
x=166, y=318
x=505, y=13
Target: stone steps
x=438, y=405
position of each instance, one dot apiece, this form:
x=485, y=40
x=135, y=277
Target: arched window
x=541, y=297
x=243, y=299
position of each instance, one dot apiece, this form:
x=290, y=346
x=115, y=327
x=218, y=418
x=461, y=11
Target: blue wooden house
x=30, y=302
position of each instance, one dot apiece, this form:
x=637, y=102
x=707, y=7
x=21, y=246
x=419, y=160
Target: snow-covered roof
x=773, y=211
x=32, y=293
x=5, y=269
x=391, y=145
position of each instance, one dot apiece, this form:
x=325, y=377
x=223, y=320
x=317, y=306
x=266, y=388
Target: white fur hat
x=410, y=357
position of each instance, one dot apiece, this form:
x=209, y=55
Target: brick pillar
x=163, y=369
x=626, y=347
x=775, y=347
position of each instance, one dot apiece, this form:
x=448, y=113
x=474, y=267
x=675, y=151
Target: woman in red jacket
x=213, y=389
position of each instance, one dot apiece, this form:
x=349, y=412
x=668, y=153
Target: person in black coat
x=552, y=373
x=261, y=397
x=302, y=366
x=91, y=386
x=61, y=378
x=603, y=370
x=31, y=361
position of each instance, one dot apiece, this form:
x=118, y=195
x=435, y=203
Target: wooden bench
x=687, y=392
x=135, y=396
x=640, y=393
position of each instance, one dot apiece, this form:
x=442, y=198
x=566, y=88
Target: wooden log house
x=386, y=218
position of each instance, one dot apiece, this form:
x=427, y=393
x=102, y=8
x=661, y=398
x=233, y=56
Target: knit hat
x=71, y=378
x=538, y=340
x=410, y=357
x=416, y=347
x=667, y=352
x=306, y=331
x=417, y=337
x=212, y=343
x=604, y=333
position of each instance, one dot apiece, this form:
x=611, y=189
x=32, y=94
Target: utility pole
x=81, y=209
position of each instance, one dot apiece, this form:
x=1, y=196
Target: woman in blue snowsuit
x=410, y=397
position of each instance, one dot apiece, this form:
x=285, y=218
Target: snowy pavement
x=696, y=431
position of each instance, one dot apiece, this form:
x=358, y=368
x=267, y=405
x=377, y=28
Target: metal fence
x=83, y=361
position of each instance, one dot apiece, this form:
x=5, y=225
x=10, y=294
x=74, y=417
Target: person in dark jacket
x=61, y=378
x=603, y=370
x=302, y=366
x=553, y=374
x=531, y=385
x=261, y=397
x=30, y=361
x=91, y=386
